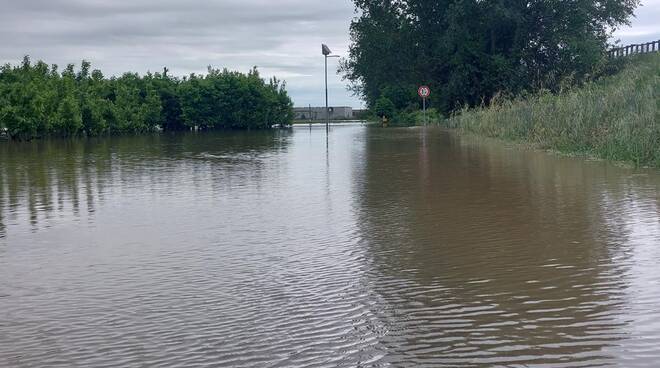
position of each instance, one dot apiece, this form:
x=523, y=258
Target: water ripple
x=400, y=248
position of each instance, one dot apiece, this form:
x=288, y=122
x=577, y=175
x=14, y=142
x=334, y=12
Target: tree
x=384, y=107
x=470, y=50
x=68, y=120
x=36, y=100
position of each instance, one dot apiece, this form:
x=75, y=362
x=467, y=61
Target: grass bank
x=615, y=118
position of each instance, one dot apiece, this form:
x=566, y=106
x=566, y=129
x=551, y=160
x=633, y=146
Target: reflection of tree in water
x=2, y=200
x=488, y=255
x=43, y=180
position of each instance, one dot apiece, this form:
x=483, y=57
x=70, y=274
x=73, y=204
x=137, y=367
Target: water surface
x=377, y=247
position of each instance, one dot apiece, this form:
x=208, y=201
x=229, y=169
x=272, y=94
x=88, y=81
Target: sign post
x=424, y=92
x=325, y=50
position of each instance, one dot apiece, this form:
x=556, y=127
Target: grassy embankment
x=615, y=118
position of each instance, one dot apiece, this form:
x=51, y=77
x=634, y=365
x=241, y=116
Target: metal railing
x=634, y=49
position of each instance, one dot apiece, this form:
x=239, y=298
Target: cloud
x=281, y=37
x=644, y=27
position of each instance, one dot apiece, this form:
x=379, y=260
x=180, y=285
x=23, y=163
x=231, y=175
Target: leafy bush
x=36, y=101
x=384, y=108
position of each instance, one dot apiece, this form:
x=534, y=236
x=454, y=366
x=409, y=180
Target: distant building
x=318, y=113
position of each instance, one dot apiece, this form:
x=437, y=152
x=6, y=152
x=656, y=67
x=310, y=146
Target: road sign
x=424, y=92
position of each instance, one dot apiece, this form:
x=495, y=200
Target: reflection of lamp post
x=326, y=52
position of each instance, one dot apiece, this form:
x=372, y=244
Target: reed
x=614, y=118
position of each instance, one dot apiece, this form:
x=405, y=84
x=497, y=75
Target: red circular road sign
x=424, y=91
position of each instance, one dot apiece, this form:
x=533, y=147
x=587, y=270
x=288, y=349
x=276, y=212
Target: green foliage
x=37, y=101
x=416, y=117
x=384, y=107
x=231, y=100
x=615, y=118
x=468, y=51
x=68, y=118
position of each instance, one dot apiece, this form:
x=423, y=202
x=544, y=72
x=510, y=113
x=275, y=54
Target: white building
x=317, y=113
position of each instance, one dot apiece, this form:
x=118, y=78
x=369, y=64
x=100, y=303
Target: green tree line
x=37, y=100
x=468, y=51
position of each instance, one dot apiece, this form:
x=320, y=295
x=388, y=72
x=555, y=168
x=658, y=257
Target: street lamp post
x=326, y=53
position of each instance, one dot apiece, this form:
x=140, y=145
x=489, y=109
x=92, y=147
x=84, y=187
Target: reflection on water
x=375, y=248
x=497, y=256
x=45, y=181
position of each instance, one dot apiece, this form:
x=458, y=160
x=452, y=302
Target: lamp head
x=325, y=50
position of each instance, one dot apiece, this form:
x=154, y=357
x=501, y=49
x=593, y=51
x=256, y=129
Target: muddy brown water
x=375, y=248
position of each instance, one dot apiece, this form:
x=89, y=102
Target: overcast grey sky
x=281, y=37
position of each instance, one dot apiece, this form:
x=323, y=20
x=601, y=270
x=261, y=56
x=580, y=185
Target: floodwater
x=375, y=248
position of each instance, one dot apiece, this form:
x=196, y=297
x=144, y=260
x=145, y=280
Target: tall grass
x=416, y=118
x=614, y=118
